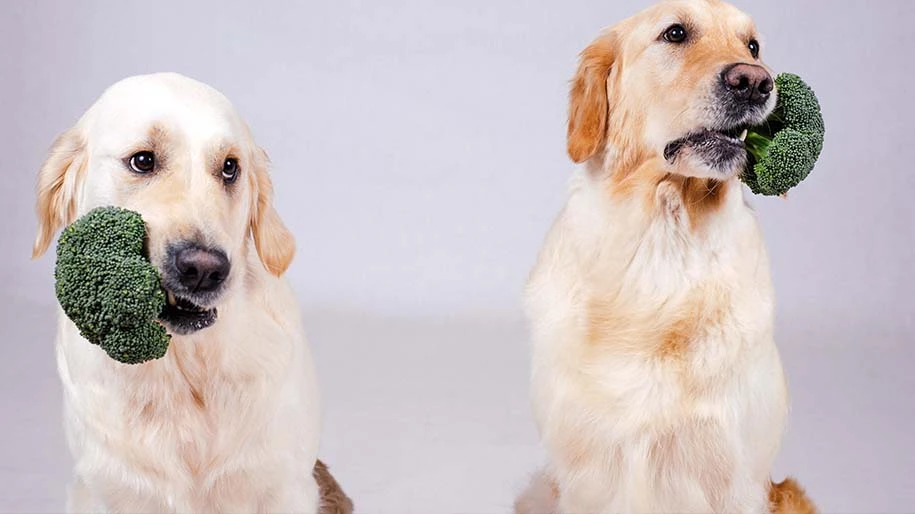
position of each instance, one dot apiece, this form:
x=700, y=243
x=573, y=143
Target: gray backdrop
x=418, y=150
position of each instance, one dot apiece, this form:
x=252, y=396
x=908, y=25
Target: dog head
x=678, y=81
x=174, y=150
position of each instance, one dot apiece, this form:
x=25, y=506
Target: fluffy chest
x=647, y=313
x=655, y=375
x=206, y=405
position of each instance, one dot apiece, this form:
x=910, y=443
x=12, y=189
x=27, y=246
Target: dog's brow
x=157, y=132
x=157, y=140
x=682, y=17
x=219, y=152
x=746, y=29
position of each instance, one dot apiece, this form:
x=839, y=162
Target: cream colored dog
x=657, y=385
x=228, y=420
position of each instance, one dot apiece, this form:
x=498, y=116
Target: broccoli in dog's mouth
x=783, y=150
x=779, y=153
x=108, y=288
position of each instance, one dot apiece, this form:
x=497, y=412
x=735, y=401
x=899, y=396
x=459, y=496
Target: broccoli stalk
x=106, y=286
x=783, y=151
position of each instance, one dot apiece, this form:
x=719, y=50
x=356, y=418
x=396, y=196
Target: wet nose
x=200, y=269
x=748, y=82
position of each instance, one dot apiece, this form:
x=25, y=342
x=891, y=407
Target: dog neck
x=637, y=176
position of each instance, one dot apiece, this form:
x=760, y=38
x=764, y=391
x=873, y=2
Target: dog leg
x=112, y=498
x=540, y=497
x=591, y=489
x=333, y=499
x=787, y=497
x=80, y=500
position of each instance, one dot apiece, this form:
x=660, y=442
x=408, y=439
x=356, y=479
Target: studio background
x=418, y=155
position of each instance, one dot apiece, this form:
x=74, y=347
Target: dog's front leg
x=82, y=499
x=299, y=496
x=261, y=492
x=590, y=486
x=585, y=494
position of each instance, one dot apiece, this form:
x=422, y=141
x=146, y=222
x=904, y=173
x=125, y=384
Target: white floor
x=432, y=417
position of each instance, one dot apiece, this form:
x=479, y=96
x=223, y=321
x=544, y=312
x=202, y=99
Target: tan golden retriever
x=656, y=383
x=228, y=420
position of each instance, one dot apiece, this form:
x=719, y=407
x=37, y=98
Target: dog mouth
x=182, y=316
x=711, y=142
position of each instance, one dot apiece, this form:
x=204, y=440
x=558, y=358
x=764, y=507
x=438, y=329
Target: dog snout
x=201, y=270
x=748, y=82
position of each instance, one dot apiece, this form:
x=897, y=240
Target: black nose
x=201, y=270
x=748, y=82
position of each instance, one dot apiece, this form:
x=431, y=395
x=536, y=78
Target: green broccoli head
x=141, y=343
x=783, y=151
x=106, y=286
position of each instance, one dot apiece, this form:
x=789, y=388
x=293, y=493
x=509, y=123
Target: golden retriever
x=656, y=383
x=228, y=420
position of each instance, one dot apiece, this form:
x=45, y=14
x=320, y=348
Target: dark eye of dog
x=753, y=45
x=230, y=170
x=142, y=162
x=675, y=34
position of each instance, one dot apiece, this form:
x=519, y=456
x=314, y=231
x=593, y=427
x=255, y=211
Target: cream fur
x=228, y=420
x=656, y=382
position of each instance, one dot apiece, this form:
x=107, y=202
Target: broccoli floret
x=783, y=151
x=106, y=286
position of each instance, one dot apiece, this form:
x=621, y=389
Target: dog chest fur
x=653, y=362
x=195, y=430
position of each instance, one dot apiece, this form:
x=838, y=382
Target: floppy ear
x=588, y=105
x=58, y=184
x=275, y=244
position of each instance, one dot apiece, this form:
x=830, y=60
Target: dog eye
x=142, y=162
x=753, y=45
x=675, y=34
x=230, y=170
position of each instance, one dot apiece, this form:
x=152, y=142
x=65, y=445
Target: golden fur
x=58, y=181
x=657, y=386
x=787, y=497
